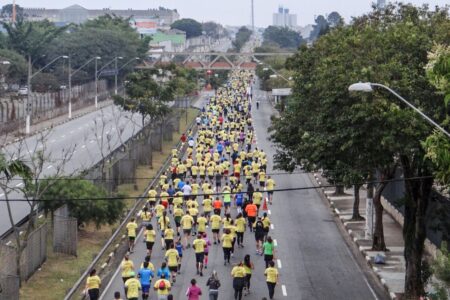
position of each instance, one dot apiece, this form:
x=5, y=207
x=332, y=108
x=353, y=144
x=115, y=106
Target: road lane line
x=1, y=195
x=271, y=226
x=49, y=167
x=269, y=212
x=275, y=243
x=63, y=136
x=283, y=289
x=19, y=184
x=84, y=146
x=279, y=264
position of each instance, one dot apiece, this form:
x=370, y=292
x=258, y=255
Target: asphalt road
x=87, y=138
x=313, y=260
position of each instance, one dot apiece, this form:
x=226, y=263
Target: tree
x=242, y=36
x=190, y=26
x=92, y=206
x=214, y=30
x=7, y=11
x=17, y=69
x=334, y=19
x=320, y=28
x=282, y=36
x=325, y=127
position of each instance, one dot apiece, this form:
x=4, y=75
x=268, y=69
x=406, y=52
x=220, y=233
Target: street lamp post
x=368, y=87
x=76, y=71
x=96, y=81
x=29, y=77
x=123, y=66
x=116, y=73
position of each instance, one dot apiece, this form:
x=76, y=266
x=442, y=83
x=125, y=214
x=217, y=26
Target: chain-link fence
x=9, y=287
x=65, y=232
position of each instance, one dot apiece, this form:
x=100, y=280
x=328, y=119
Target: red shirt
x=251, y=210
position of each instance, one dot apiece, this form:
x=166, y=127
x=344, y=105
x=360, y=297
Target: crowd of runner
x=211, y=196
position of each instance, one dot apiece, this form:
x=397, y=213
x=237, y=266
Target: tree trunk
x=378, y=243
x=414, y=229
x=162, y=135
x=356, y=216
x=339, y=190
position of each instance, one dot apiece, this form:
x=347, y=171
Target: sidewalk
x=392, y=273
x=18, y=134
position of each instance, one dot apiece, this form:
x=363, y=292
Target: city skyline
x=233, y=12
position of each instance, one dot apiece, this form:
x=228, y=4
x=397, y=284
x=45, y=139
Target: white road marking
x=84, y=146
x=2, y=195
x=91, y=141
x=275, y=243
x=283, y=289
x=8, y=243
x=271, y=226
x=19, y=184
x=74, y=151
x=269, y=212
x=279, y=264
x=49, y=167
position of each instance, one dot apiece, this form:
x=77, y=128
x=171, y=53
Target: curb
x=352, y=236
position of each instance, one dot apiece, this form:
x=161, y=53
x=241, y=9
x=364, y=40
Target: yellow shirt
x=166, y=290
x=194, y=170
x=257, y=197
x=152, y=195
x=187, y=221
x=131, y=227
x=150, y=235
x=172, y=257
x=163, y=222
x=271, y=275
x=266, y=222
x=238, y=272
x=127, y=268
x=168, y=234
x=202, y=224
x=165, y=195
x=199, y=245
x=207, y=205
x=270, y=184
x=215, y=221
x=133, y=286
x=159, y=210
x=146, y=216
x=227, y=240
x=240, y=224
x=93, y=282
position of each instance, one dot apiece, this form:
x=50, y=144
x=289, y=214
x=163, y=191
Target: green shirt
x=268, y=248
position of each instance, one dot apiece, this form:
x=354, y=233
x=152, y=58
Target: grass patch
x=59, y=273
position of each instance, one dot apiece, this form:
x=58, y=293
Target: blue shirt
x=179, y=248
x=165, y=272
x=171, y=191
x=145, y=276
x=180, y=184
x=239, y=199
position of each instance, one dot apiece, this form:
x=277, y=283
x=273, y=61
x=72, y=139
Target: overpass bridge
x=210, y=60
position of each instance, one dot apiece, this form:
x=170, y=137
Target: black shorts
x=199, y=257
x=187, y=231
x=173, y=269
x=259, y=237
x=149, y=245
x=215, y=230
x=251, y=220
x=131, y=238
x=211, y=177
x=202, y=177
x=270, y=192
x=268, y=257
x=170, y=200
x=177, y=221
x=168, y=243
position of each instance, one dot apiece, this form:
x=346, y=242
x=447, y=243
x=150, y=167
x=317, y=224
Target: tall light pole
x=29, y=77
x=116, y=73
x=124, y=65
x=70, y=81
x=368, y=87
x=96, y=80
x=253, y=17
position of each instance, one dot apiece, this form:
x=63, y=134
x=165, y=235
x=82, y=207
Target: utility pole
x=28, y=107
x=253, y=17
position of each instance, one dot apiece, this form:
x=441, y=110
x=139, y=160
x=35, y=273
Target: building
x=78, y=14
x=172, y=40
x=144, y=26
x=284, y=18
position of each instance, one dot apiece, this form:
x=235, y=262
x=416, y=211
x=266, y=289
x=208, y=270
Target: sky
x=232, y=12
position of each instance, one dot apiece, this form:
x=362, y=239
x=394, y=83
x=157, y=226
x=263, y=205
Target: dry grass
x=60, y=272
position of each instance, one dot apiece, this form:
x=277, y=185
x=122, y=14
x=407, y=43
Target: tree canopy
x=242, y=36
x=282, y=36
x=190, y=26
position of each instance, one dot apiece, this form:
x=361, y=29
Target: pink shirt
x=193, y=292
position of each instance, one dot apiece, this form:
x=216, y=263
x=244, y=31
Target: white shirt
x=186, y=190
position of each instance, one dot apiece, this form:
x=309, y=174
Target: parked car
x=23, y=91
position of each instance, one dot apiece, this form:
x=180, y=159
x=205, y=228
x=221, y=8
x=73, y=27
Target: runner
x=269, y=250
x=131, y=227
x=227, y=240
x=150, y=236
x=173, y=260
x=199, y=245
x=132, y=287
x=251, y=211
x=214, y=284
x=162, y=287
x=215, y=227
x=240, y=229
x=238, y=274
x=248, y=265
x=187, y=222
x=208, y=243
x=127, y=267
x=193, y=292
x=145, y=276
x=259, y=235
x=271, y=274
x=93, y=284
x=270, y=185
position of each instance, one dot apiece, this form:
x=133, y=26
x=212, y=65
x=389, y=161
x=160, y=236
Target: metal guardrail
x=122, y=225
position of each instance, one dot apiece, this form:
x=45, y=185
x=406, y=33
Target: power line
x=221, y=193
